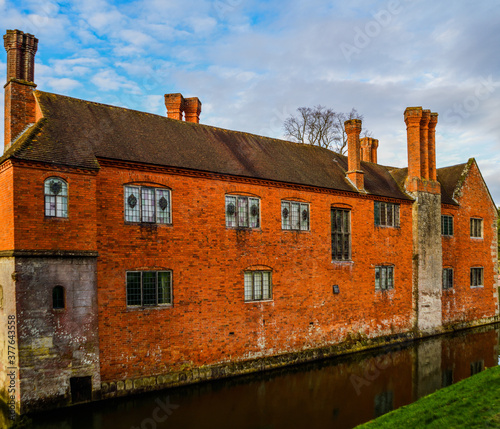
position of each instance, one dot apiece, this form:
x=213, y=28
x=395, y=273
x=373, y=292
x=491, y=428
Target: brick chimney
x=20, y=104
x=432, y=146
x=354, y=173
x=178, y=106
x=192, y=109
x=420, y=128
x=424, y=143
x=369, y=149
x=175, y=105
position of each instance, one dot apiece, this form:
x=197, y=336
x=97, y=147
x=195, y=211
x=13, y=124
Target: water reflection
x=336, y=393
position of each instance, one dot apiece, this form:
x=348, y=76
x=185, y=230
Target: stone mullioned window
x=386, y=214
x=242, y=211
x=144, y=204
x=149, y=288
x=294, y=216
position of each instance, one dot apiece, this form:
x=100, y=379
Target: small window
x=58, y=297
x=446, y=225
x=149, y=288
x=341, y=235
x=56, y=197
x=294, y=216
x=147, y=205
x=386, y=214
x=447, y=278
x=384, y=277
x=258, y=285
x=476, y=228
x=242, y=212
x=476, y=277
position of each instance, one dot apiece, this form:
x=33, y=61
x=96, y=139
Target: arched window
x=56, y=197
x=58, y=297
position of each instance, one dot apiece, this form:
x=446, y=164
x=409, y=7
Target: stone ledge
x=49, y=253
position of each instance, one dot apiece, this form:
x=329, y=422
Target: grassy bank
x=471, y=403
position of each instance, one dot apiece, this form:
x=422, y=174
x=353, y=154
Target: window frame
x=342, y=236
x=475, y=223
x=448, y=278
x=301, y=224
x=474, y=279
x=381, y=212
x=389, y=285
x=62, y=199
x=138, y=215
x=141, y=285
x=252, y=274
x=447, y=224
x=242, y=217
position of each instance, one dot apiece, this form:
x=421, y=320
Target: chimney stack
x=354, y=173
x=178, y=106
x=432, y=146
x=192, y=109
x=369, y=149
x=20, y=104
x=424, y=143
x=175, y=105
x=421, y=127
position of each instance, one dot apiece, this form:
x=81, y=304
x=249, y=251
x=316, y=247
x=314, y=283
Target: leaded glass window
x=56, y=197
x=447, y=278
x=242, y=212
x=341, y=235
x=294, y=216
x=446, y=225
x=384, y=277
x=476, y=228
x=476, y=277
x=147, y=205
x=149, y=288
x=258, y=285
x=386, y=214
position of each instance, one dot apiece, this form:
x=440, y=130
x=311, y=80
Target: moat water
x=334, y=393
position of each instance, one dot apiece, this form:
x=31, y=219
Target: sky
x=252, y=63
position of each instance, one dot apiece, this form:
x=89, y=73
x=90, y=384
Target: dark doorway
x=81, y=389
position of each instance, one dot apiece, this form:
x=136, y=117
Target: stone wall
x=427, y=260
x=56, y=345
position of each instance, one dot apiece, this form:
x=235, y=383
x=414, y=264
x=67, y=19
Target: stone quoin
x=140, y=252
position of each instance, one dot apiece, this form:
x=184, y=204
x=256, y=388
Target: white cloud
x=109, y=80
x=63, y=85
x=251, y=62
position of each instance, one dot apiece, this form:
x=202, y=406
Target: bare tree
x=320, y=126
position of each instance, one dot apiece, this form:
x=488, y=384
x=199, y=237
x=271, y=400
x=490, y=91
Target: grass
x=470, y=403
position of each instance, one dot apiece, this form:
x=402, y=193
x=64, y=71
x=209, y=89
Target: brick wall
x=461, y=252
x=209, y=321
x=35, y=231
x=7, y=207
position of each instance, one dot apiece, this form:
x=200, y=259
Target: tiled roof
x=77, y=133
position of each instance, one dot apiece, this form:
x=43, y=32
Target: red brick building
x=140, y=252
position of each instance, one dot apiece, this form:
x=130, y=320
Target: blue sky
x=253, y=63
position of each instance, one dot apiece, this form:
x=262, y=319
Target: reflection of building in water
x=140, y=252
